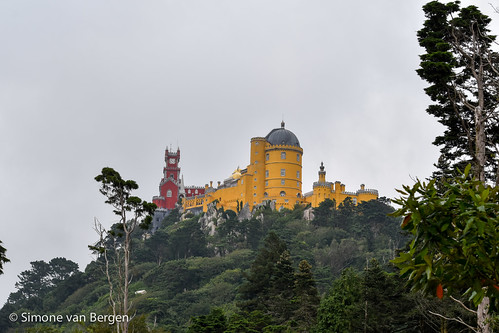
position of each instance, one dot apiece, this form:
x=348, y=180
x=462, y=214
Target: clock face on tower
x=172, y=161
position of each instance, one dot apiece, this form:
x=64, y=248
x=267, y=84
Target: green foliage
x=456, y=237
x=306, y=297
x=256, y=291
x=215, y=322
x=3, y=258
x=324, y=213
x=366, y=302
x=118, y=193
x=338, y=310
x=36, y=283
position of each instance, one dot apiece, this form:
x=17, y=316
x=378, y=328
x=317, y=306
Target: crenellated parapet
x=323, y=184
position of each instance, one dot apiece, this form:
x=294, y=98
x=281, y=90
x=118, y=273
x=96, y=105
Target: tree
x=255, y=291
x=462, y=71
x=3, y=258
x=324, y=213
x=281, y=292
x=463, y=74
x=340, y=309
x=306, y=297
x=118, y=193
x=455, y=240
x=34, y=284
x=215, y=322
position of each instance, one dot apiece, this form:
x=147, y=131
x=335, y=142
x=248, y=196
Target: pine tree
x=256, y=291
x=463, y=74
x=281, y=293
x=3, y=258
x=306, y=297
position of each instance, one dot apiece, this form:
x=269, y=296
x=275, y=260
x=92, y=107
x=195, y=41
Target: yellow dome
x=236, y=174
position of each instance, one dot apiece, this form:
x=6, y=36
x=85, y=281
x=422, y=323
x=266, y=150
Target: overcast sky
x=89, y=84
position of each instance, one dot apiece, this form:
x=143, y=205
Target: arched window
x=283, y=194
x=265, y=194
x=169, y=193
x=283, y=155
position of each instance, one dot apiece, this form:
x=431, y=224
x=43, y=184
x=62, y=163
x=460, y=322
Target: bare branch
x=459, y=320
x=462, y=304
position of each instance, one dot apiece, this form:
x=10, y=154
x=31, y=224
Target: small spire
x=322, y=166
x=282, y=124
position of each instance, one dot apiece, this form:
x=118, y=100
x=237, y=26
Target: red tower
x=170, y=183
x=171, y=187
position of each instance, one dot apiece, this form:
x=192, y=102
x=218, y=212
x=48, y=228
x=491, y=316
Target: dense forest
x=272, y=272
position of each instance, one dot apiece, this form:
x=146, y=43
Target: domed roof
x=282, y=136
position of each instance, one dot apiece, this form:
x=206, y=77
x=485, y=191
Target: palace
x=273, y=175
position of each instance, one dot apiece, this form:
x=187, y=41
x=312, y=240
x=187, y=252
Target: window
x=297, y=184
x=298, y=174
x=169, y=193
x=298, y=195
x=282, y=194
x=254, y=194
x=283, y=172
x=298, y=157
x=283, y=155
x=282, y=182
x=196, y=192
x=266, y=157
x=254, y=187
x=267, y=173
x=265, y=194
x=266, y=183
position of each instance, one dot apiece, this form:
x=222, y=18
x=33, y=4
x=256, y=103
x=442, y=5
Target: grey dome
x=282, y=136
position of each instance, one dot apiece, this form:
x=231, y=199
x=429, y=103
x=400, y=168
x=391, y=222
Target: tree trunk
x=483, y=316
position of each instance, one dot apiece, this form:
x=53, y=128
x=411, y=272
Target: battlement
x=367, y=191
x=323, y=184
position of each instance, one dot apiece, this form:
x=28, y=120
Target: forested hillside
x=273, y=272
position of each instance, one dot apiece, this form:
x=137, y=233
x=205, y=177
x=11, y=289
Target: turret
x=322, y=174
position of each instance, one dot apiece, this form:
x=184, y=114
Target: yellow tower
x=283, y=168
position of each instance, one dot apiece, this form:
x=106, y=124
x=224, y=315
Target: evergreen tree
x=256, y=291
x=463, y=73
x=3, y=258
x=306, y=297
x=323, y=214
x=215, y=322
x=341, y=310
x=281, y=292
